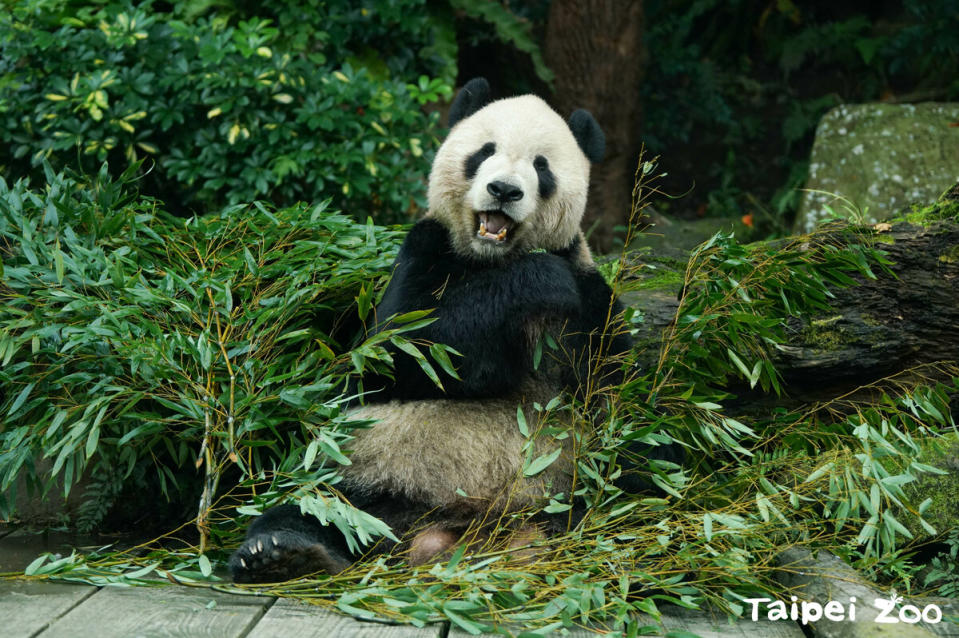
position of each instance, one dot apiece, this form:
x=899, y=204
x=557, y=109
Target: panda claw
x=243, y=563
x=259, y=545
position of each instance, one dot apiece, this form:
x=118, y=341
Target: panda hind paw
x=282, y=555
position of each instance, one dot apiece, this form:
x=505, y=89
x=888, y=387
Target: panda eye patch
x=547, y=181
x=475, y=159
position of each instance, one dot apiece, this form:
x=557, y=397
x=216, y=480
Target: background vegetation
x=222, y=106
x=145, y=349
x=754, y=77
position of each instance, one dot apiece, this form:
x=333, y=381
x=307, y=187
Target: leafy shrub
x=226, y=108
x=131, y=338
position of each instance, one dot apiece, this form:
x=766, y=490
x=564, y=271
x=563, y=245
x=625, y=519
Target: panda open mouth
x=494, y=225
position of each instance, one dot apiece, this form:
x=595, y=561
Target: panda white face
x=509, y=178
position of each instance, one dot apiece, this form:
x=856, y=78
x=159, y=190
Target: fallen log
x=905, y=317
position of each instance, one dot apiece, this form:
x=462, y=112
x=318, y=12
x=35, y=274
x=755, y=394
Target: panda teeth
x=484, y=232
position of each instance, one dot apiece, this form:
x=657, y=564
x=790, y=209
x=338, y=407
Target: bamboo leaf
x=542, y=462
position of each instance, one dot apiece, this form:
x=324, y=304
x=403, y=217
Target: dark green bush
x=130, y=339
x=734, y=90
x=231, y=106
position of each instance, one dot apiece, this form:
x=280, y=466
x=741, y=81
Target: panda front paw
x=282, y=555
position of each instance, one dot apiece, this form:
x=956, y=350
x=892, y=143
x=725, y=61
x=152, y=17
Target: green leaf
x=738, y=362
x=58, y=261
x=818, y=473
x=414, y=352
x=470, y=626
x=555, y=507
x=310, y=456
x=21, y=398
x=250, y=262
x=439, y=354
x=35, y=564
x=521, y=422
x=204, y=564
x=364, y=301
x=542, y=462
x=409, y=317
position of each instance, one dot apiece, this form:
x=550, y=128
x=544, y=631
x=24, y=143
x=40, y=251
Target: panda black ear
x=588, y=135
x=474, y=95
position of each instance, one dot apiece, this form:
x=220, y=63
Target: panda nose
x=504, y=192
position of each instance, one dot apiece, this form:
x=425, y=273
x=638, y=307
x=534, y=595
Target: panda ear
x=474, y=95
x=588, y=135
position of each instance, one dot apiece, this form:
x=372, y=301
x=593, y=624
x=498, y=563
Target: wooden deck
x=31, y=609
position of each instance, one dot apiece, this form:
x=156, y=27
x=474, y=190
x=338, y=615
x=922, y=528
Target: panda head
x=512, y=175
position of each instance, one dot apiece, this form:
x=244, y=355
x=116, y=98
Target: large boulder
x=881, y=158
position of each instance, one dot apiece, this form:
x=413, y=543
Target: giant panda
x=501, y=258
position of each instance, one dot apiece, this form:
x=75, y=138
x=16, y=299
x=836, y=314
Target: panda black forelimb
x=481, y=310
x=595, y=334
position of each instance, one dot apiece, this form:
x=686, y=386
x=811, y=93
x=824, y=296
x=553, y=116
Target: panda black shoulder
x=427, y=237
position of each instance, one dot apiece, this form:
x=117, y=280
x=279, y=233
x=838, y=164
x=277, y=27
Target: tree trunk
x=877, y=329
x=595, y=47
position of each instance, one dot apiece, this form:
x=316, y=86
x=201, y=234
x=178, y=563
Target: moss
x=821, y=323
x=665, y=279
x=944, y=209
x=951, y=256
x=828, y=340
x=823, y=334
x=670, y=263
x=942, y=489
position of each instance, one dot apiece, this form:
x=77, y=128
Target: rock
x=49, y=508
x=880, y=157
x=824, y=578
x=676, y=238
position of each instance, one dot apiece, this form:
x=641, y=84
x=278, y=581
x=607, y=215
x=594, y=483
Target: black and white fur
x=511, y=178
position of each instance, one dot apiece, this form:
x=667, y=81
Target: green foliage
x=186, y=567
x=944, y=574
x=234, y=101
x=302, y=103
x=737, y=300
x=754, y=78
x=128, y=337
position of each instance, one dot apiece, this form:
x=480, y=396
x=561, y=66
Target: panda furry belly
x=435, y=451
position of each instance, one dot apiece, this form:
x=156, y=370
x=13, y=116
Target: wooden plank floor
x=33, y=609
x=55, y=610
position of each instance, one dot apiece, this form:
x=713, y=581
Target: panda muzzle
x=494, y=225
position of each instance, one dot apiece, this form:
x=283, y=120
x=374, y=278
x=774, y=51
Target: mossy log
x=878, y=328
x=887, y=325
